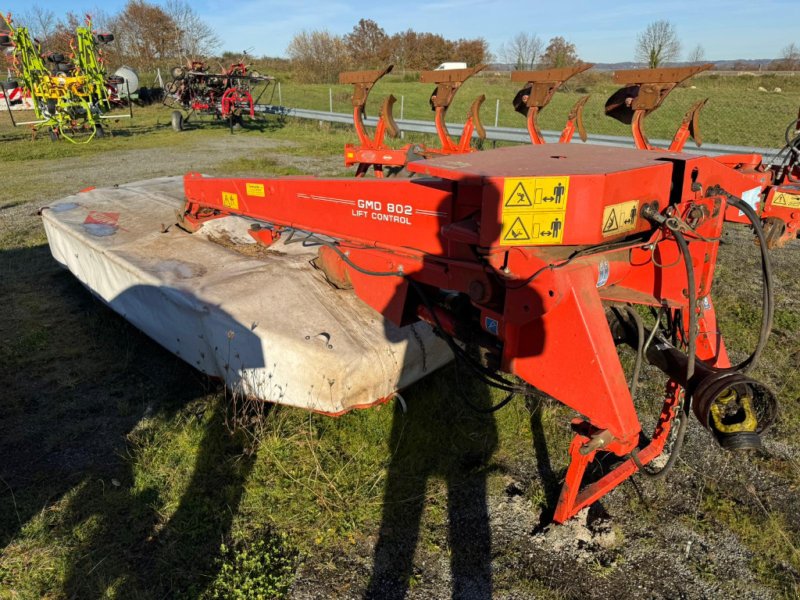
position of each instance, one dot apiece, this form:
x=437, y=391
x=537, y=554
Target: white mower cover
x=271, y=326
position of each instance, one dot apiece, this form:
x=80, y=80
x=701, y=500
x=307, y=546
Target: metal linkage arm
x=537, y=93
x=448, y=83
x=643, y=92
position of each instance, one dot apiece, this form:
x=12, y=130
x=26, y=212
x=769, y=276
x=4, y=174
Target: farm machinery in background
x=229, y=96
x=374, y=151
x=71, y=98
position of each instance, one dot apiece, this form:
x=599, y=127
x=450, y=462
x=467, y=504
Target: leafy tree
x=367, y=44
x=473, y=52
x=658, y=44
x=560, y=53
x=145, y=33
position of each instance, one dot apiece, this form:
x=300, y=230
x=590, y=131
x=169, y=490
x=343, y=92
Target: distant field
x=737, y=113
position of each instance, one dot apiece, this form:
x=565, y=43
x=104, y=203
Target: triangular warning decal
x=780, y=200
x=517, y=232
x=611, y=222
x=518, y=197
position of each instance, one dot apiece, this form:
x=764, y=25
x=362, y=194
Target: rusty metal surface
x=672, y=75
x=447, y=83
x=549, y=74
x=363, y=82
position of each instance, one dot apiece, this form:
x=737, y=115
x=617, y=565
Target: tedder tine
x=473, y=123
x=574, y=119
x=689, y=127
x=644, y=90
x=447, y=84
x=362, y=84
x=537, y=93
x=387, y=118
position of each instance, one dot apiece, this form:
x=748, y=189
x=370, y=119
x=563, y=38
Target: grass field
x=124, y=473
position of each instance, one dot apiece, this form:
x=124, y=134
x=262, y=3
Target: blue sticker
x=602, y=273
x=492, y=326
x=64, y=207
x=100, y=229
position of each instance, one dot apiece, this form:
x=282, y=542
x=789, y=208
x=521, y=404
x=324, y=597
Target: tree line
x=149, y=34
x=144, y=33
x=318, y=56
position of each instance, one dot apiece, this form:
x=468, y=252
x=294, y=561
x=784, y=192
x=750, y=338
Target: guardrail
x=508, y=134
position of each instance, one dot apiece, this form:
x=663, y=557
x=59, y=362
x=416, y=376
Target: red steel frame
x=781, y=220
x=544, y=305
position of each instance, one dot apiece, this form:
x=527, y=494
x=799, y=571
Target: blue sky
x=601, y=31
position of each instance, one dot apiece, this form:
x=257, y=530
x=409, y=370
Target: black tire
x=177, y=120
x=53, y=135
x=99, y=132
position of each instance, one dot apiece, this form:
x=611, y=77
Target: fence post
x=402, y=105
x=496, y=112
x=280, y=99
x=330, y=98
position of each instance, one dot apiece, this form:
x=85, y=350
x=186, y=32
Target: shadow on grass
x=437, y=437
x=259, y=123
x=78, y=380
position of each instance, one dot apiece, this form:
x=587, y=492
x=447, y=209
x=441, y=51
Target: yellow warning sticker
x=230, y=200
x=620, y=218
x=255, y=189
x=535, y=229
x=534, y=210
x=786, y=200
x=534, y=194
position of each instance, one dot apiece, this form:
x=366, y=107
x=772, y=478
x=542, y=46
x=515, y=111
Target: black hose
x=768, y=299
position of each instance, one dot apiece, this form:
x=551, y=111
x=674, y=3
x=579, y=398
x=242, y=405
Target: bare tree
x=41, y=22
x=560, y=53
x=790, y=57
x=193, y=36
x=318, y=56
x=658, y=44
x=523, y=51
x=697, y=55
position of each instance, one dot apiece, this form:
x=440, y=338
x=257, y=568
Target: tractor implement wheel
x=99, y=132
x=177, y=120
